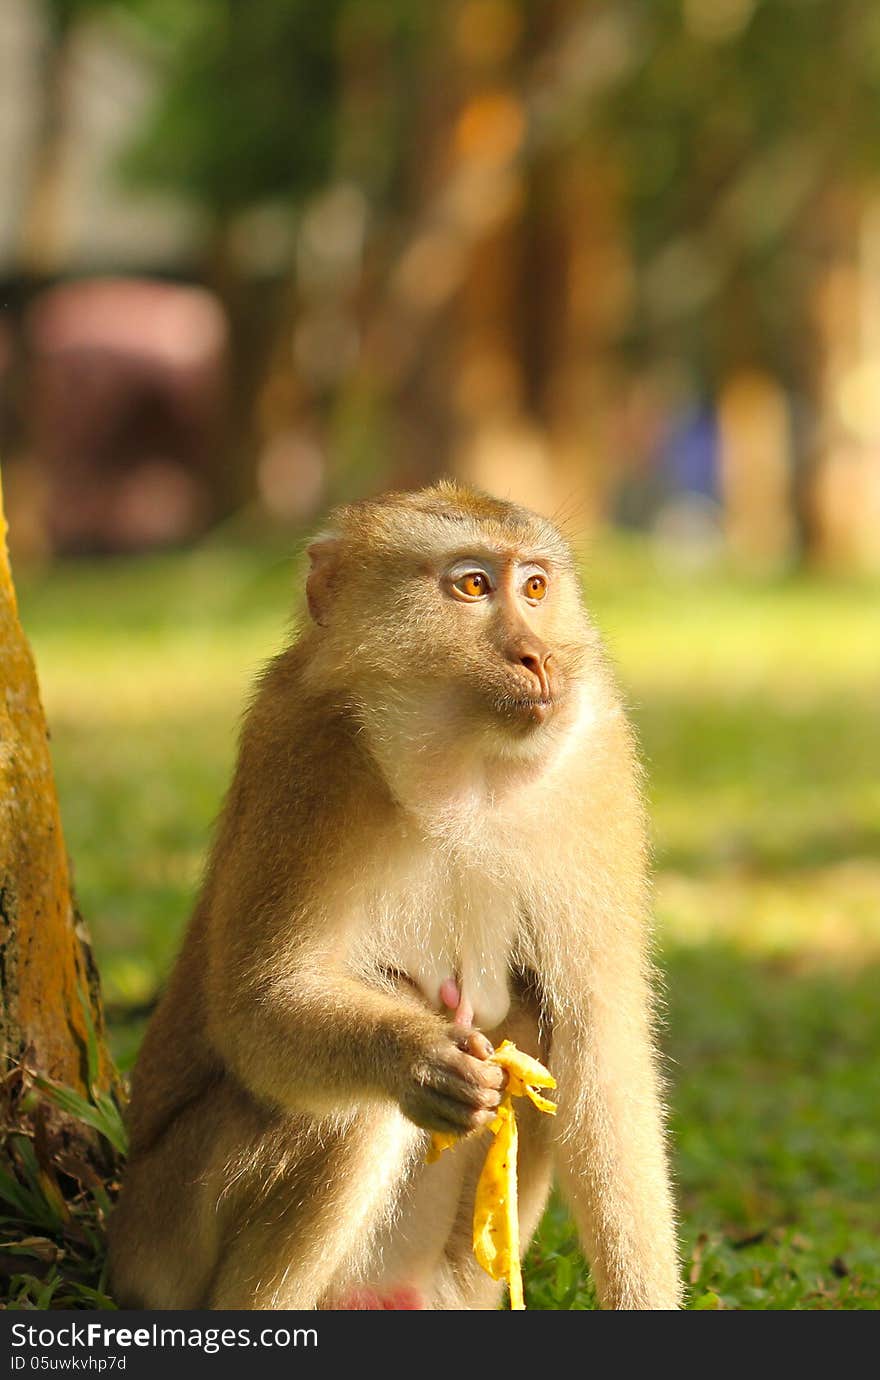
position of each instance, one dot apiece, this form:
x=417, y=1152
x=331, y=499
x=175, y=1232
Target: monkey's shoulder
x=302, y=759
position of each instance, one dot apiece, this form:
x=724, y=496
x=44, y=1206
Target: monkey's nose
x=536, y=661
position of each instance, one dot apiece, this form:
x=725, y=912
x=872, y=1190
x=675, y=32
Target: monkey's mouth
x=528, y=709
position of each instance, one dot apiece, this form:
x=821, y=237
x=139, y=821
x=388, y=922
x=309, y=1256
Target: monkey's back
x=267, y=839
x=176, y=1064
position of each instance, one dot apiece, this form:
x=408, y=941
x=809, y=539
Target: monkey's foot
x=364, y=1300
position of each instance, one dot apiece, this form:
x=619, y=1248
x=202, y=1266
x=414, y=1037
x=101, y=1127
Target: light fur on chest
x=434, y=915
x=471, y=858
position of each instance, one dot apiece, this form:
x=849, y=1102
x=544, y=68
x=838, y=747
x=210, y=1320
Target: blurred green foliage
x=252, y=106
x=736, y=124
x=247, y=107
x=757, y=709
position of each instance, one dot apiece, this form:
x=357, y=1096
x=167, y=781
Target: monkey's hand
x=451, y=1086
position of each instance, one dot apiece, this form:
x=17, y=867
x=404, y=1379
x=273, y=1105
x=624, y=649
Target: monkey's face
x=467, y=613
x=488, y=623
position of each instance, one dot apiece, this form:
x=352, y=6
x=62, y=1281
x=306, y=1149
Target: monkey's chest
x=459, y=926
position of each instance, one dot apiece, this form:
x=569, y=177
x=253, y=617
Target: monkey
x=434, y=838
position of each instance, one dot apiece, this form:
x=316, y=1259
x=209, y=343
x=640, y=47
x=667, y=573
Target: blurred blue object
x=690, y=456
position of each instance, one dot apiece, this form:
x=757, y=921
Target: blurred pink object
x=125, y=402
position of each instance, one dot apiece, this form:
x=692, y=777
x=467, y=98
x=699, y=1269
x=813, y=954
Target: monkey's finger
x=436, y=1111
x=463, y=1088
x=475, y=1043
x=485, y=1068
x=483, y=1073
x=476, y=1047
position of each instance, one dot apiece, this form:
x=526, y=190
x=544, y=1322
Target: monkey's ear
x=324, y=554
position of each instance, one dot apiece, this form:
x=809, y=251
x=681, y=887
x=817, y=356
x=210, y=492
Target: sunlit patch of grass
x=757, y=708
x=811, y=915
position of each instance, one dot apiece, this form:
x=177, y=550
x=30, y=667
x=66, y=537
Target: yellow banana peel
x=496, y=1217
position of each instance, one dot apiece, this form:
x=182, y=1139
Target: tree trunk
x=43, y=233
x=50, y=1005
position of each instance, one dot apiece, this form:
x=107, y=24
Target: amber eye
x=536, y=587
x=473, y=585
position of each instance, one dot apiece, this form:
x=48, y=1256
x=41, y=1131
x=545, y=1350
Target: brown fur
x=406, y=807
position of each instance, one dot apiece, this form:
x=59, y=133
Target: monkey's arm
x=611, y=1152
x=319, y=1040
x=285, y=1012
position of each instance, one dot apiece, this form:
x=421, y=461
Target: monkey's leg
x=240, y=1207
x=305, y=1229
x=164, y=1233
x=610, y=1150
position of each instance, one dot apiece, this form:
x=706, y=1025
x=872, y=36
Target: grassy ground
x=757, y=707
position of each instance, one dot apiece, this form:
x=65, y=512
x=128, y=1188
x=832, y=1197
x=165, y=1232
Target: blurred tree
x=42, y=234
x=739, y=128
x=549, y=193
x=507, y=286
x=264, y=103
x=246, y=117
x=468, y=319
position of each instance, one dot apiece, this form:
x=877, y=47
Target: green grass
x=758, y=709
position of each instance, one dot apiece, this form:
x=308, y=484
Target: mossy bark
x=49, y=988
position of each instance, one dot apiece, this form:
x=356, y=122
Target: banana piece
x=496, y=1218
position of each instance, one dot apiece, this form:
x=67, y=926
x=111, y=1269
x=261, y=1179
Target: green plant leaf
x=707, y=1301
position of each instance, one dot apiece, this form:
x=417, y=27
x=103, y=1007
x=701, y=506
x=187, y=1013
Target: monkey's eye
x=535, y=587
x=472, y=585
